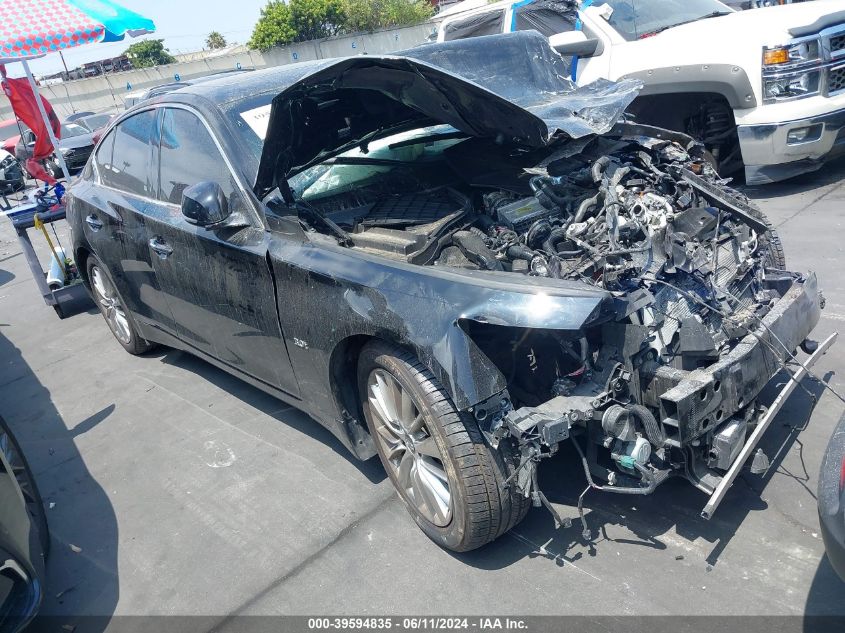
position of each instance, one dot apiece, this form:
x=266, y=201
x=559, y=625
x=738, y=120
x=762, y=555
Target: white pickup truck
x=764, y=89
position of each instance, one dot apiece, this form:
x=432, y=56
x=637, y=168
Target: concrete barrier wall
x=106, y=93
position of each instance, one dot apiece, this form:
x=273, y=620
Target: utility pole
x=67, y=77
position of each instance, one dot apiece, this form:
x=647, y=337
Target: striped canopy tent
x=35, y=28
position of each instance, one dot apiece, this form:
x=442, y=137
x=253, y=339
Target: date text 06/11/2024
x=428, y=623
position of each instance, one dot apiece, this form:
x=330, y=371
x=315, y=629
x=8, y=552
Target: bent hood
x=512, y=87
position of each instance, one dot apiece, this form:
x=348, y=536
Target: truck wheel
x=449, y=478
x=118, y=318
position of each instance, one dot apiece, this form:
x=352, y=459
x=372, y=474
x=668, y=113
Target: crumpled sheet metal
x=522, y=68
x=512, y=87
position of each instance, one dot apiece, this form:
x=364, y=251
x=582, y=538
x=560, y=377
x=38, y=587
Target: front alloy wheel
x=410, y=450
x=450, y=479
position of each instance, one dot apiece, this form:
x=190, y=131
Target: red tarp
x=26, y=108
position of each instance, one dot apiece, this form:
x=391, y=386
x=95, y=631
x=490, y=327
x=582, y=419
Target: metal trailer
x=66, y=299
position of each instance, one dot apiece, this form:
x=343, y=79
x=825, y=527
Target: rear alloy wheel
x=117, y=317
x=449, y=478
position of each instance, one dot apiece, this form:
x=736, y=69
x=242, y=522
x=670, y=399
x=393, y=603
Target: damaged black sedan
x=457, y=260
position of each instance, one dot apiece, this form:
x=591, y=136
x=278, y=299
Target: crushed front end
x=704, y=316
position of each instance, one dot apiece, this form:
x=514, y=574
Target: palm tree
x=215, y=39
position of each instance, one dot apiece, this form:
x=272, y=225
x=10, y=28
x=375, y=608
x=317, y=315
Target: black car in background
x=453, y=258
x=24, y=538
x=76, y=145
x=12, y=176
x=95, y=122
x=832, y=499
x=71, y=118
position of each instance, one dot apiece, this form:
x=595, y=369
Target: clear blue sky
x=183, y=24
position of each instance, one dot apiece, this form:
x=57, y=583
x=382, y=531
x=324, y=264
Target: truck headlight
x=799, y=53
x=792, y=86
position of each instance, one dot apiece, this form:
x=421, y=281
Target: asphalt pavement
x=173, y=488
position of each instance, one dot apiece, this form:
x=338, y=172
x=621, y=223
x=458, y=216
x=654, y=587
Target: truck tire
x=449, y=478
x=775, y=256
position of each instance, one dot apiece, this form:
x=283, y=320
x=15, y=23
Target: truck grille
x=833, y=47
x=836, y=80
x=837, y=43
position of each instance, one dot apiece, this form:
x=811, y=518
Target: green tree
x=273, y=28
x=315, y=19
x=215, y=39
x=297, y=21
x=371, y=15
x=149, y=53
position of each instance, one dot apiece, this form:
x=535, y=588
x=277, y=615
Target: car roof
x=234, y=86
x=184, y=83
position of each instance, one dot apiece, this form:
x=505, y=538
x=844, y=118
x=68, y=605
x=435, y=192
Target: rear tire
x=112, y=307
x=421, y=438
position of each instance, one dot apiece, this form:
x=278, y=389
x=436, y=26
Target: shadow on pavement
x=825, y=596
x=674, y=506
x=267, y=404
x=79, y=512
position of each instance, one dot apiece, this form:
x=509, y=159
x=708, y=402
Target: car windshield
x=70, y=130
x=389, y=155
x=250, y=117
x=352, y=168
x=634, y=19
x=95, y=121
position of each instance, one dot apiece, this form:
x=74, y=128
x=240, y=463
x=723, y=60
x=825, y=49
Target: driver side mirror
x=204, y=204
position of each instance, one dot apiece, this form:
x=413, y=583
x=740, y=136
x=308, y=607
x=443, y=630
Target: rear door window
x=124, y=158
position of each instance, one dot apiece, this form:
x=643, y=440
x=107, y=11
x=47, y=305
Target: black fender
x=331, y=298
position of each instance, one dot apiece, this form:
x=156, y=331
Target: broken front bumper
x=693, y=402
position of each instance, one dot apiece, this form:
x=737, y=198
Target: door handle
x=94, y=222
x=161, y=248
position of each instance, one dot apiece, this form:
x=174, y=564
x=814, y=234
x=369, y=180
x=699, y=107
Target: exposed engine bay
x=703, y=311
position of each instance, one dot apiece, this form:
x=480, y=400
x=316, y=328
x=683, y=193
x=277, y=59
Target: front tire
x=113, y=309
x=449, y=478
